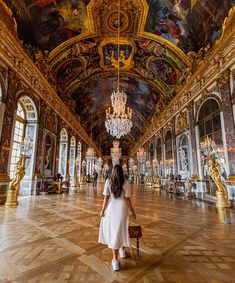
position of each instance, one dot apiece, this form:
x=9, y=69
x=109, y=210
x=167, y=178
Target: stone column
x=174, y=149
x=227, y=108
x=6, y=140
x=229, y=128
x=192, y=125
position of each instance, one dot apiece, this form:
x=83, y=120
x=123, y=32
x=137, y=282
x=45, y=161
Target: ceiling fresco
x=55, y=21
x=74, y=44
x=189, y=24
x=93, y=98
x=96, y=95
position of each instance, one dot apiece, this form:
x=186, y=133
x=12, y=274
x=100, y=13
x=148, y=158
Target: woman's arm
x=128, y=201
x=104, y=206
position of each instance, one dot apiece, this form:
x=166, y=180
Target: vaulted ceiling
x=77, y=40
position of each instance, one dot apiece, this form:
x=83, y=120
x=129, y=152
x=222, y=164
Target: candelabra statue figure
x=156, y=182
x=83, y=173
x=76, y=181
x=13, y=191
x=221, y=193
x=148, y=179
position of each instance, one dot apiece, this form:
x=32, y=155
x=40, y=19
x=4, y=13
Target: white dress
x=114, y=225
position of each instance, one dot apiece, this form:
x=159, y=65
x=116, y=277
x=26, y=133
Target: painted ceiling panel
x=189, y=24
x=74, y=44
x=55, y=21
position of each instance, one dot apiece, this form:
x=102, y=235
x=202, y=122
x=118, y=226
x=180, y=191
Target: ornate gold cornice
x=215, y=65
x=14, y=56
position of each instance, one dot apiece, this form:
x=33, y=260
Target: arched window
x=159, y=150
x=168, y=144
x=19, y=134
x=72, y=158
x=63, y=152
x=79, y=159
x=151, y=151
x=25, y=127
x=209, y=121
x=209, y=124
x=169, y=167
x=159, y=156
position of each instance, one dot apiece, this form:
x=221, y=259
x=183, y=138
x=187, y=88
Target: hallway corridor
x=53, y=238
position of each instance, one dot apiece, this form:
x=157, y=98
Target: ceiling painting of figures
x=152, y=52
x=95, y=95
x=189, y=24
x=68, y=71
x=55, y=21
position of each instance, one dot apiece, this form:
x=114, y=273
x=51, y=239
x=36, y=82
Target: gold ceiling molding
x=228, y=23
x=214, y=67
x=96, y=6
x=14, y=56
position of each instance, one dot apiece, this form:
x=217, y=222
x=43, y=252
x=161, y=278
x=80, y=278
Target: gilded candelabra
x=13, y=191
x=221, y=193
x=26, y=147
x=208, y=147
x=83, y=174
x=76, y=181
x=148, y=180
x=156, y=181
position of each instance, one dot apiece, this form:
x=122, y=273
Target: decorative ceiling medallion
x=112, y=21
x=110, y=58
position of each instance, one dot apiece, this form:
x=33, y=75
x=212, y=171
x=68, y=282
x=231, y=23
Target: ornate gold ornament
x=27, y=75
x=13, y=191
x=209, y=71
x=76, y=181
x=221, y=193
x=181, y=124
x=126, y=52
x=156, y=182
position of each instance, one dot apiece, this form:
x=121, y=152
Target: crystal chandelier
x=90, y=153
x=141, y=155
x=208, y=146
x=119, y=122
x=116, y=152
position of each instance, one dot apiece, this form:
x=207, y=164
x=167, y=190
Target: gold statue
x=13, y=191
x=221, y=193
x=156, y=182
x=148, y=181
x=76, y=181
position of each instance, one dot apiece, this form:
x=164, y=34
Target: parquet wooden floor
x=53, y=238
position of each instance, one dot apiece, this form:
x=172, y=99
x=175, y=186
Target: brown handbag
x=136, y=232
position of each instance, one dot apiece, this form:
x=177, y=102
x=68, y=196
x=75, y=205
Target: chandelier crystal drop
x=119, y=122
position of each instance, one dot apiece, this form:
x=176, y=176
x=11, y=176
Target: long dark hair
x=117, y=180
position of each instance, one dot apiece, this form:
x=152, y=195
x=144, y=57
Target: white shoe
x=115, y=265
x=122, y=253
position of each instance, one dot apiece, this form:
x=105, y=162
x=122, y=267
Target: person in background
x=95, y=178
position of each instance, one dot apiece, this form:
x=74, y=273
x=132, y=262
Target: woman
x=114, y=213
